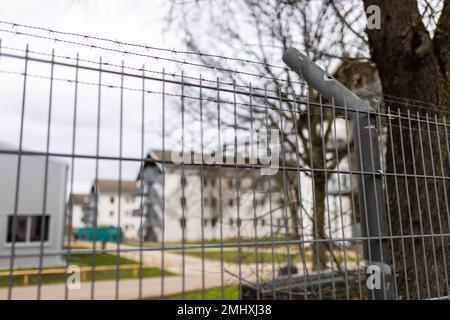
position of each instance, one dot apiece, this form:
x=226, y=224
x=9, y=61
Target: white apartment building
x=192, y=202
x=75, y=209
x=229, y=202
x=115, y=205
x=178, y=203
x=225, y=206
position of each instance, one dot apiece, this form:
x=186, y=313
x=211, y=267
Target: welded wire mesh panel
x=124, y=180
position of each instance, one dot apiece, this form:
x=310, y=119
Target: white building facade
x=36, y=221
x=77, y=202
x=195, y=202
x=207, y=203
x=114, y=204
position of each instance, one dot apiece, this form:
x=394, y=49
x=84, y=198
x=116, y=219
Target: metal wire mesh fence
x=126, y=182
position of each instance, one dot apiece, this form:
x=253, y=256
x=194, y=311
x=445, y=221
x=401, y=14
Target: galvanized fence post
x=370, y=175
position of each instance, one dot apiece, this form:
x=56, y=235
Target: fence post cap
x=325, y=84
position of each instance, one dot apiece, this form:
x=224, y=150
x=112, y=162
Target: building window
x=213, y=182
x=111, y=213
x=231, y=221
x=111, y=199
x=281, y=221
x=28, y=228
x=213, y=202
x=21, y=228
x=263, y=222
x=205, y=222
x=183, y=222
x=36, y=225
x=183, y=181
x=231, y=202
x=214, y=221
x=230, y=183
x=205, y=181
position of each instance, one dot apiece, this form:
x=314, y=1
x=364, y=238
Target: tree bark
x=413, y=65
x=319, y=260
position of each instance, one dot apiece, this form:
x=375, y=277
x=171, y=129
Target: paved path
x=151, y=287
x=106, y=290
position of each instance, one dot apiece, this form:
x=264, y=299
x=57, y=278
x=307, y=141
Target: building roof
x=12, y=150
x=166, y=157
x=113, y=186
x=79, y=199
x=208, y=170
x=211, y=171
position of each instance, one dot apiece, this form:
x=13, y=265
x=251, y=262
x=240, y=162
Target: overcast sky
x=129, y=21
x=142, y=22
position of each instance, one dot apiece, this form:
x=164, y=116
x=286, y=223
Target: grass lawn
x=85, y=260
x=230, y=293
x=101, y=259
x=207, y=242
x=246, y=256
x=249, y=256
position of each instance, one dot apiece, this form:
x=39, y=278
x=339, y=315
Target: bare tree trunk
x=413, y=65
x=319, y=248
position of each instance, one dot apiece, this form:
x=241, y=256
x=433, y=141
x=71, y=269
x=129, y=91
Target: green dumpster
x=102, y=234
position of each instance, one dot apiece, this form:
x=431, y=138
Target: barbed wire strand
x=404, y=100
x=286, y=99
x=145, y=46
